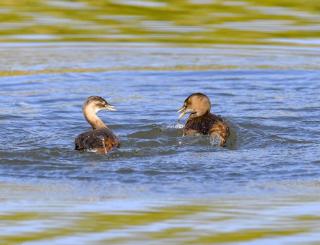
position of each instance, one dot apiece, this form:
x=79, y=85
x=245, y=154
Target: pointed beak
x=110, y=107
x=183, y=110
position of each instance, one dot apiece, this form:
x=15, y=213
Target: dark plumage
x=201, y=121
x=101, y=139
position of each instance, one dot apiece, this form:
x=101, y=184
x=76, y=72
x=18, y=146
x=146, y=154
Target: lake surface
x=259, y=63
x=191, y=22
x=159, y=186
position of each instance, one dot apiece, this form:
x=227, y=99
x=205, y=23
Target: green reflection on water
x=195, y=224
x=247, y=235
x=183, y=22
x=94, y=222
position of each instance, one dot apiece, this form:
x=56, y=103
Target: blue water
x=271, y=159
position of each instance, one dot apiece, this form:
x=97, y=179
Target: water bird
x=100, y=139
x=201, y=121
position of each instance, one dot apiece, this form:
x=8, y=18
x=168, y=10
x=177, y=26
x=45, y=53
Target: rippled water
x=258, y=62
x=262, y=187
x=274, y=117
x=165, y=21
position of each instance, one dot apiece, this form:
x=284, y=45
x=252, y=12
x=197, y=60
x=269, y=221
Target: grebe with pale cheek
x=201, y=121
x=100, y=139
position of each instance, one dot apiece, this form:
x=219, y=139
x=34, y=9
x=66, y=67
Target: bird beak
x=110, y=107
x=183, y=110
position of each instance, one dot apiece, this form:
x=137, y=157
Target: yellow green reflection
x=182, y=22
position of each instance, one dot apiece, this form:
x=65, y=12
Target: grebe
x=100, y=138
x=201, y=121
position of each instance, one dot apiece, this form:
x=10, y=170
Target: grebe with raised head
x=201, y=121
x=100, y=139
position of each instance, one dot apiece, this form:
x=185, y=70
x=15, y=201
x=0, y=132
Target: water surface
x=159, y=186
x=258, y=62
x=182, y=22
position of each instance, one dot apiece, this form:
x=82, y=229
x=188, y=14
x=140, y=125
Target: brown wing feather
x=102, y=140
x=220, y=129
x=208, y=124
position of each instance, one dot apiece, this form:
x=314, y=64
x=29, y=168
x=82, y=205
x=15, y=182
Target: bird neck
x=90, y=115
